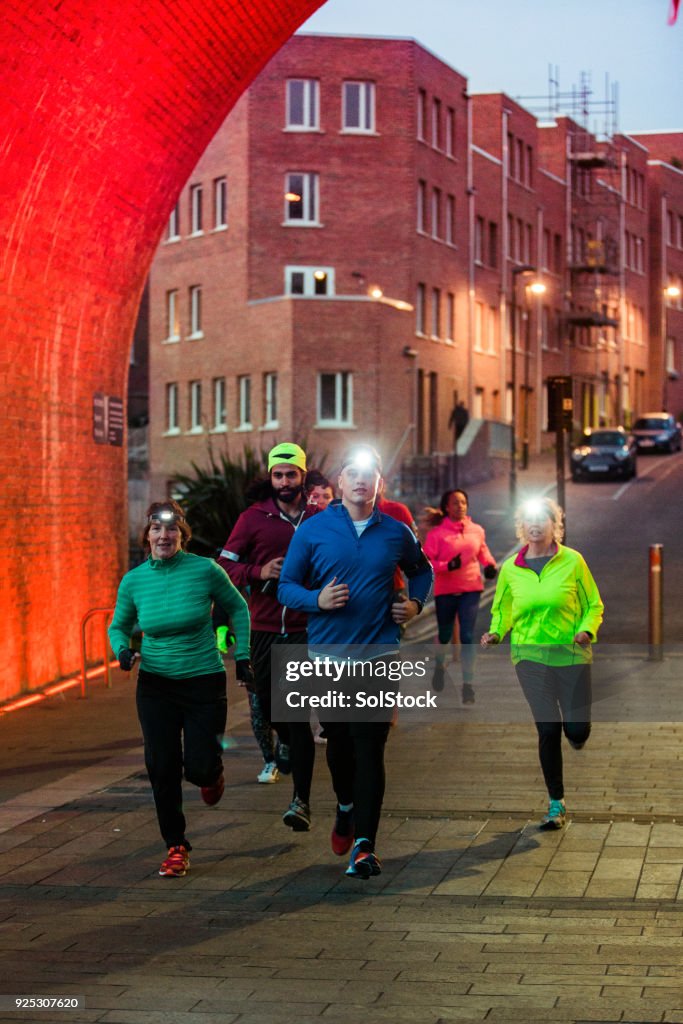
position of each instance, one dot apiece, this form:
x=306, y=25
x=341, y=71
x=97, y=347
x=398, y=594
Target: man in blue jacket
x=339, y=569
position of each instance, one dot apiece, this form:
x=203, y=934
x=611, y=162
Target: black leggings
x=355, y=757
x=183, y=722
x=560, y=700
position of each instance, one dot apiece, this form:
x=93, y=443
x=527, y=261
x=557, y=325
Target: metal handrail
x=107, y=614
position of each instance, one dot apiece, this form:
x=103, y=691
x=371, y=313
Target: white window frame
x=309, y=282
x=309, y=191
x=244, y=402
x=220, y=406
x=196, y=210
x=196, y=426
x=343, y=382
x=366, y=107
x=195, y=304
x=172, y=316
x=172, y=420
x=310, y=103
x=270, y=401
x=173, y=230
x=220, y=203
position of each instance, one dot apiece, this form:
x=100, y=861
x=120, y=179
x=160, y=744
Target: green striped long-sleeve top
x=171, y=600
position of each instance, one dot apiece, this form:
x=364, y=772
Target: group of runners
x=341, y=574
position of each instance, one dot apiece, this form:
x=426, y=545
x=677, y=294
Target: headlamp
x=166, y=517
x=535, y=510
x=362, y=459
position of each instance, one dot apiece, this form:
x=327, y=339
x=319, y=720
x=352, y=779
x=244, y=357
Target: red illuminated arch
x=107, y=107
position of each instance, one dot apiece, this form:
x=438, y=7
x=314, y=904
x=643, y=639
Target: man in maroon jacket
x=253, y=557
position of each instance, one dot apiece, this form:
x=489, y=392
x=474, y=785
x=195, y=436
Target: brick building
x=348, y=257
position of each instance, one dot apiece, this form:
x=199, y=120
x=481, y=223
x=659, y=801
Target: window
x=195, y=312
x=270, y=399
x=335, y=399
x=491, y=323
x=436, y=123
x=195, y=406
x=450, y=131
x=420, y=312
x=172, y=321
x=449, y=232
x=173, y=232
x=450, y=316
x=436, y=213
x=301, y=198
x=244, y=403
x=172, y=426
x=302, y=104
x=436, y=312
x=196, y=222
x=478, y=326
x=358, y=107
x=421, y=114
x=670, y=355
x=220, y=409
x=220, y=203
x=479, y=240
x=422, y=205
x=309, y=281
x=478, y=404
x=493, y=244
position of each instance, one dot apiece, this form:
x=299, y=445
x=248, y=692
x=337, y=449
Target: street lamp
x=536, y=288
x=524, y=268
x=672, y=291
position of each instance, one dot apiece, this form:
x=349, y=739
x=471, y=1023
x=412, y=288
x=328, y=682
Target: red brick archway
x=107, y=106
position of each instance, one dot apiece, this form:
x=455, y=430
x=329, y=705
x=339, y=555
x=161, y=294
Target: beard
x=288, y=495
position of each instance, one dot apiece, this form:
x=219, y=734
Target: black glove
x=490, y=572
x=244, y=671
x=127, y=658
x=455, y=563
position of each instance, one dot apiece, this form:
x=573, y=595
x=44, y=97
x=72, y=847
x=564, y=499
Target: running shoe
x=282, y=758
x=341, y=838
x=176, y=864
x=298, y=815
x=556, y=816
x=439, y=677
x=212, y=794
x=269, y=773
x=467, y=694
x=364, y=862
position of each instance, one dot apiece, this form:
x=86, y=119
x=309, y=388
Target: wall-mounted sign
x=107, y=419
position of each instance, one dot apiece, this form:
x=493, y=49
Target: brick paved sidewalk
x=476, y=917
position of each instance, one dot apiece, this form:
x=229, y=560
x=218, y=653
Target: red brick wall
x=109, y=108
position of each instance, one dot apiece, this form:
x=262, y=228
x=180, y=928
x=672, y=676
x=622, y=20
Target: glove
x=127, y=658
x=225, y=639
x=455, y=563
x=244, y=671
x=490, y=572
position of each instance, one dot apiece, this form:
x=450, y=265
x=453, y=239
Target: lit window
x=270, y=399
x=220, y=203
x=309, y=281
x=196, y=221
x=301, y=198
x=335, y=399
x=195, y=311
x=172, y=322
x=172, y=425
x=358, y=113
x=173, y=232
x=244, y=402
x=220, y=409
x=195, y=406
x=302, y=104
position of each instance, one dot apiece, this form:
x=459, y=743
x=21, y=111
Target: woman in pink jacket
x=457, y=550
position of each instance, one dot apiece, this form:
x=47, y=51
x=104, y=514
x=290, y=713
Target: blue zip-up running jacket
x=328, y=546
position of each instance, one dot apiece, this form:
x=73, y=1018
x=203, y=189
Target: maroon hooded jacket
x=260, y=534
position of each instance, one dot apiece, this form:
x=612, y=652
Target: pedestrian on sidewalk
x=252, y=556
x=181, y=689
x=457, y=549
x=548, y=599
x=339, y=569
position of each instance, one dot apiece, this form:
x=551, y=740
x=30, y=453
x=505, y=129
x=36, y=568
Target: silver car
x=605, y=453
x=657, y=431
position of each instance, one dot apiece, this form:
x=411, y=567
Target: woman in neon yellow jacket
x=547, y=598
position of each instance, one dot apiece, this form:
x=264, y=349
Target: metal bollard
x=655, y=602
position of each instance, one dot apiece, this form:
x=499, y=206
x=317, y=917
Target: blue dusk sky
x=509, y=46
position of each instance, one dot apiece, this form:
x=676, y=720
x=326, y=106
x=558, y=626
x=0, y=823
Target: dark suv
x=657, y=431
x=604, y=453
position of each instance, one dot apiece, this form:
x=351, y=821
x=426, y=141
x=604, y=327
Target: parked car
x=657, y=431
x=605, y=453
